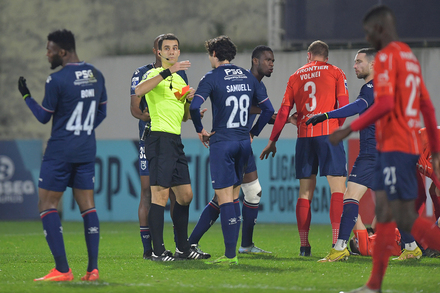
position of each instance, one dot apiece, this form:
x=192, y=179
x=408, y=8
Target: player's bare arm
x=136, y=112
x=270, y=148
x=336, y=137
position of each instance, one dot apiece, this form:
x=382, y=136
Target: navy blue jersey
x=137, y=77
x=255, y=103
x=232, y=90
x=367, y=141
x=73, y=95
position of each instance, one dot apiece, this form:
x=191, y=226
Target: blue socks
x=91, y=232
x=250, y=213
x=229, y=222
x=348, y=219
x=238, y=214
x=146, y=238
x=207, y=219
x=54, y=237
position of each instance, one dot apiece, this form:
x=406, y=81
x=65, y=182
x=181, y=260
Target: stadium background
x=116, y=37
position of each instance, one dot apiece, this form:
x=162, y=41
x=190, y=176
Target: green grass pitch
x=24, y=255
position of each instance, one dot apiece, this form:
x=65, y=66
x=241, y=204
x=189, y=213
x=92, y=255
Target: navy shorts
x=228, y=161
x=143, y=163
x=167, y=161
x=251, y=165
x=56, y=175
x=363, y=170
x=395, y=172
x=312, y=152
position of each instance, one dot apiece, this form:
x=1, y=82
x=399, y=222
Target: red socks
x=303, y=218
x=336, y=208
x=382, y=251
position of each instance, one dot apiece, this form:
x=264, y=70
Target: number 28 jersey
x=232, y=90
x=73, y=95
x=398, y=74
x=314, y=88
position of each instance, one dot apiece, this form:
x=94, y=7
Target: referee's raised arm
x=150, y=83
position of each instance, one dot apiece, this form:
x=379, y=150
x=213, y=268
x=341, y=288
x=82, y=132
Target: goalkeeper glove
x=22, y=87
x=317, y=119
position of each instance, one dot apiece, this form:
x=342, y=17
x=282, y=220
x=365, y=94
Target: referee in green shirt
x=168, y=99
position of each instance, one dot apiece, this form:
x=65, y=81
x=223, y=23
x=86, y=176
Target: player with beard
x=75, y=99
x=361, y=176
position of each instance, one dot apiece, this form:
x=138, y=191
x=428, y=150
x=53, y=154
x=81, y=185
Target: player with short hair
x=232, y=90
x=360, y=178
x=400, y=96
x=262, y=65
x=316, y=88
x=167, y=96
x=139, y=110
x=76, y=99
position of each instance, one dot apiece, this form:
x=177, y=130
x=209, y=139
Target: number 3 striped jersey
x=398, y=74
x=315, y=89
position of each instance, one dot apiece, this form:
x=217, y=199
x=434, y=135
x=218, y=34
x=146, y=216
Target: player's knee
x=252, y=191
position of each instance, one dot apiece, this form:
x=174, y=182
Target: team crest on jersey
x=134, y=81
x=383, y=57
x=370, y=85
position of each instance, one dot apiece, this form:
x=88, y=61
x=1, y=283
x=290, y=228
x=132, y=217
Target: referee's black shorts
x=166, y=160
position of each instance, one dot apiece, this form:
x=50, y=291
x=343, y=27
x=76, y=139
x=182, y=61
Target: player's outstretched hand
x=22, y=87
x=336, y=137
x=270, y=148
x=317, y=119
x=182, y=65
x=204, y=137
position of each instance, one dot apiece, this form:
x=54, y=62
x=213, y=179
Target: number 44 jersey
x=73, y=95
x=314, y=89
